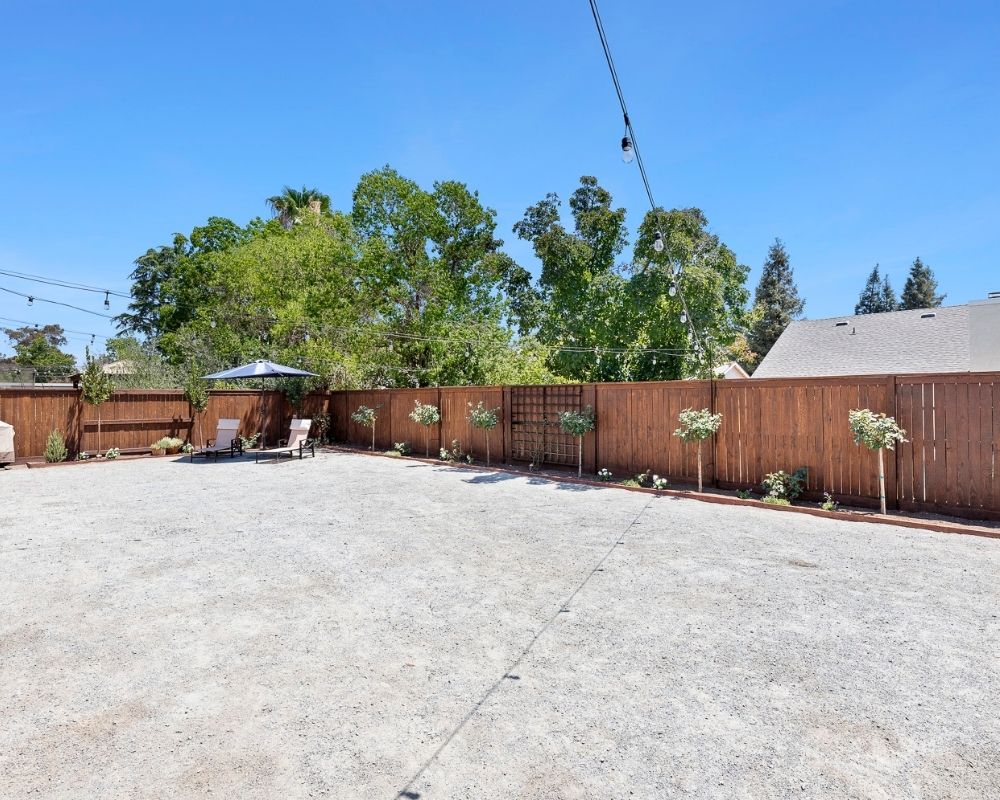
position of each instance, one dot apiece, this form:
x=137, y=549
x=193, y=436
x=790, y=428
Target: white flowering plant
x=425, y=415
x=696, y=426
x=578, y=424
x=604, y=474
x=876, y=432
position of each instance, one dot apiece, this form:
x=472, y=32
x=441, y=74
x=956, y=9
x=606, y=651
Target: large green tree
x=877, y=297
x=291, y=205
x=39, y=348
x=920, y=289
x=776, y=301
x=604, y=319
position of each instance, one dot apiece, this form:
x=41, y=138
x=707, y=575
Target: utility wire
x=32, y=298
x=630, y=130
x=65, y=330
x=81, y=287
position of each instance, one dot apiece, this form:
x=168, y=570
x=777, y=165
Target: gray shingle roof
x=872, y=344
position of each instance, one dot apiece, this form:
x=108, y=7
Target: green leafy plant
x=696, y=426
x=486, y=419
x=578, y=424
x=366, y=417
x=876, y=432
x=631, y=482
x=455, y=453
x=645, y=479
x=829, y=504
x=196, y=393
x=83, y=456
x=55, y=448
x=744, y=494
x=785, y=486
x=187, y=448
x=604, y=474
x=112, y=453
x=96, y=387
x=322, y=423
x=425, y=415
x=402, y=448
x=659, y=483
x=248, y=442
x=776, y=501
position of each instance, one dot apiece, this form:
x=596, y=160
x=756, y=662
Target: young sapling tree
x=485, y=419
x=196, y=393
x=876, y=432
x=696, y=426
x=96, y=387
x=366, y=418
x=578, y=424
x=425, y=415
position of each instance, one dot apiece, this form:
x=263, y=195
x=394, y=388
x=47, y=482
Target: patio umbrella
x=259, y=369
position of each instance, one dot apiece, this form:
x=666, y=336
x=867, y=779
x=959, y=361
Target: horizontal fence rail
x=948, y=465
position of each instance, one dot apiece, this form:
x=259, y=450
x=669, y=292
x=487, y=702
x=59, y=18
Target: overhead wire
x=630, y=130
x=81, y=287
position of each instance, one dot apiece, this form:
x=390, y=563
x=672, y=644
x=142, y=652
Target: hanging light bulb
x=107, y=302
x=658, y=242
x=31, y=300
x=684, y=316
x=672, y=291
x=628, y=152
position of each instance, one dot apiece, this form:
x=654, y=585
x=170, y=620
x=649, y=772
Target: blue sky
x=857, y=132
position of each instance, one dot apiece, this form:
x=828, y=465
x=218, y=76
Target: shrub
x=744, y=494
x=113, y=453
x=402, y=448
x=55, y=448
x=247, y=442
x=829, y=504
x=631, y=482
x=323, y=424
x=425, y=415
x=96, y=387
x=659, y=483
x=196, y=393
x=776, y=501
x=784, y=486
x=696, y=426
x=604, y=474
x=578, y=424
x=876, y=432
x=82, y=456
x=485, y=419
x=455, y=453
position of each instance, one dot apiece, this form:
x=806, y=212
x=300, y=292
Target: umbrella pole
x=263, y=427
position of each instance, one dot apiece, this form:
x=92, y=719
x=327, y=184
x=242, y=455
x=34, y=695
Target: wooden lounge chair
x=298, y=442
x=225, y=443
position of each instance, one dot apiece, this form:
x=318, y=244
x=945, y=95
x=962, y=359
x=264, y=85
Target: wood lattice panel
x=534, y=421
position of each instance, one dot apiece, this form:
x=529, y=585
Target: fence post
x=892, y=479
x=715, y=437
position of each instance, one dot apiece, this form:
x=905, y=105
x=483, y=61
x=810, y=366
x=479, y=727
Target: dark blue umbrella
x=260, y=368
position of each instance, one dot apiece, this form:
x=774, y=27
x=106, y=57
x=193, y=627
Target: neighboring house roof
x=119, y=368
x=953, y=339
x=730, y=371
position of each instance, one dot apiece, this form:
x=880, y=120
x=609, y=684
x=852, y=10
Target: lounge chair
x=225, y=443
x=298, y=442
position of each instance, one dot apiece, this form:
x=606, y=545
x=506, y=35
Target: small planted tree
x=696, y=426
x=55, y=448
x=96, y=387
x=425, y=415
x=366, y=418
x=485, y=419
x=578, y=424
x=876, y=432
x=196, y=393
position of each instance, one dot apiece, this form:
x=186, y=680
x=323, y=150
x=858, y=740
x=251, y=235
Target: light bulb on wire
x=31, y=300
x=684, y=317
x=658, y=242
x=628, y=152
x=672, y=291
x=107, y=302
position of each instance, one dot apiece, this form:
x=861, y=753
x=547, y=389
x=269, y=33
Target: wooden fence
x=949, y=464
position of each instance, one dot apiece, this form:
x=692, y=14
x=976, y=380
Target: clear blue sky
x=858, y=132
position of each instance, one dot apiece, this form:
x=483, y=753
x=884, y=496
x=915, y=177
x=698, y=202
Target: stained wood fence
x=949, y=464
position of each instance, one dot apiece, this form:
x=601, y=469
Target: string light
x=658, y=242
x=107, y=302
x=628, y=153
x=31, y=300
x=672, y=291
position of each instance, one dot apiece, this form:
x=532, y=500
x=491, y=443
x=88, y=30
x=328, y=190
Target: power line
x=633, y=143
x=32, y=298
x=81, y=287
x=65, y=330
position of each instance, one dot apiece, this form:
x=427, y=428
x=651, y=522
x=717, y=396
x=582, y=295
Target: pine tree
x=920, y=289
x=777, y=300
x=877, y=296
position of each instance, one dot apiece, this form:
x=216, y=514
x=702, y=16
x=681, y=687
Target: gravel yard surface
x=358, y=627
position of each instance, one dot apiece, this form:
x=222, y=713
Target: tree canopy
x=877, y=297
x=920, y=289
x=39, y=348
x=776, y=301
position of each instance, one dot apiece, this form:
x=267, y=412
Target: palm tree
x=289, y=206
